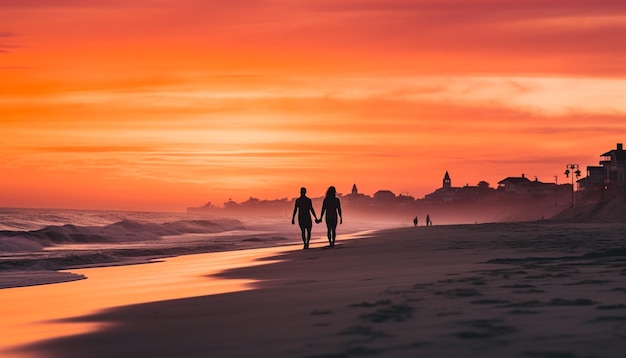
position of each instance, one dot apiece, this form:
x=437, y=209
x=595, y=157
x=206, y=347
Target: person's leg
x=334, y=235
x=329, y=234
x=308, y=238
x=303, y=236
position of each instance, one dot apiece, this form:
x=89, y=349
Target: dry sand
x=491, y=290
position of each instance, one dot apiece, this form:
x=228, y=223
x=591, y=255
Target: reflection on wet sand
x=35, y=313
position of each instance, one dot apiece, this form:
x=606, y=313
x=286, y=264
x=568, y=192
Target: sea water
x=36, y=243
x=70, y=248
x=58, y=264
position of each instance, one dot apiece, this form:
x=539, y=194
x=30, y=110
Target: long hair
x=331, y=192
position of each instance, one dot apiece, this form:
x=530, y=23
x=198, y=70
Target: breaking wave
x=124, y=231
x=36, y=243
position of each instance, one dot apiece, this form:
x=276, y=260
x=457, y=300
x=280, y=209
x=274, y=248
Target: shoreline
x=42, y=312
x=16, y=278
x=45, y=311
x=523, y=289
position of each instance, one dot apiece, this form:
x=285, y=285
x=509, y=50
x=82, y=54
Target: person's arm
x=323, y=210
x=313, y=212
x=339, y=211
x=295, y=209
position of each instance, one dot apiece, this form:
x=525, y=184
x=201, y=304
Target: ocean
x=35, y=244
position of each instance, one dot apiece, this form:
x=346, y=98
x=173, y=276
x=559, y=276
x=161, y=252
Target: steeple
x=354, y=189
x=447, y=183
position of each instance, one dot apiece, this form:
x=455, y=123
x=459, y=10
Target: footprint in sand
x=522, y=288
x=388, y=311
x=485, y=329
x=350, y=352
x=371, y=304
x=489, y=302
x=609, y=319
x=575, y=302
x=421, y=286
x=587, y=282
x=523, y=312
x=459, y=292
x=474, y=280
x=321, y=313
x=548, y=354
x=517, y=286
x=611, y=307
x=552, y=302
x=364, y=331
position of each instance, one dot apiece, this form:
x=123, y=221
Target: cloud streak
x=4, y=47
x=486, y=36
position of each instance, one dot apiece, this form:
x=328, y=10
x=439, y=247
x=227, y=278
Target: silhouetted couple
x=331, y=207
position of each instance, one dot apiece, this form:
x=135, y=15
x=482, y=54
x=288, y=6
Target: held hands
x=317, y=221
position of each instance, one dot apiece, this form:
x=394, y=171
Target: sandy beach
x=489, y=290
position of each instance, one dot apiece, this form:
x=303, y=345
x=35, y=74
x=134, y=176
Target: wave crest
x=119, y=232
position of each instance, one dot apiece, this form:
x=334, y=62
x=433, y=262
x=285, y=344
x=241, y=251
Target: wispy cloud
x=43, y=4
x=249, y=95
x=95, y=149
x=3, y=46
x=482, y=36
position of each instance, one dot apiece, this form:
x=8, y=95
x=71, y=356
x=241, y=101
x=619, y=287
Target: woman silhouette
x=331, y=207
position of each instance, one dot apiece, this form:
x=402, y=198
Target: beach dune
x=491, y=290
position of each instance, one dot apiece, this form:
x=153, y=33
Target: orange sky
x=161, y=105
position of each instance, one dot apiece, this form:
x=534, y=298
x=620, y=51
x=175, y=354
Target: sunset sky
x=161, y=105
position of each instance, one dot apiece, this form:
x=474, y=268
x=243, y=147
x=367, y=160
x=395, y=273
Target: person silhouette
x=331, y=207
x=304, y=207
x=415, y=221
x=428, y=221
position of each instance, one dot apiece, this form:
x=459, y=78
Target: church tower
x=447, y=183
x=354, y=190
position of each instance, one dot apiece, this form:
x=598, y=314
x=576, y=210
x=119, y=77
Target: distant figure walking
x=331, y=207
x=304, y=207
x=415, y=221
x=428, y=222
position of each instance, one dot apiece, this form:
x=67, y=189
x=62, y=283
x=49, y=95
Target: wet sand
x=494, y=290
x=35, y=313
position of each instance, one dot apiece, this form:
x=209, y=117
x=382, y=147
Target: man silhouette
x=304, y=207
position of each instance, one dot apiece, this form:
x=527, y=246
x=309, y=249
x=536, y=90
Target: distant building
x=405, y=199
x=447, y=182
x=449, y=194
x=356, y=199
x=355, y=195
x=607, y=180
x=591, y=187
x=514, y=185
x=483, y=185
x=384, y=195
x=522, y=187
x=614, y=164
